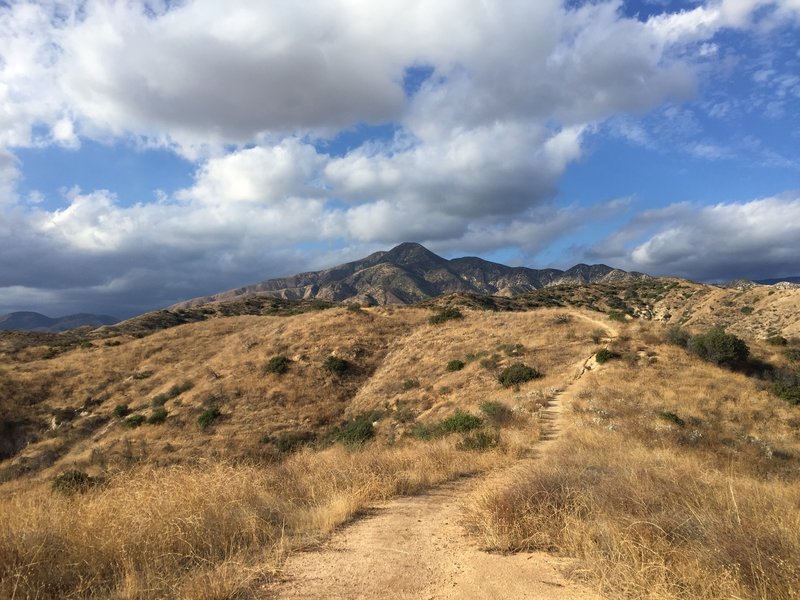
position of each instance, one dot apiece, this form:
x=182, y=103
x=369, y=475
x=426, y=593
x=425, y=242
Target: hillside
x=410, y=273
x=305, y=414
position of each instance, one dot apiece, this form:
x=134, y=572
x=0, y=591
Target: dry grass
x=707, y=508
x=212, y=530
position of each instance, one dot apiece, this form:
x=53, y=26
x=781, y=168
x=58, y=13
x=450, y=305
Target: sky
x=153, y=151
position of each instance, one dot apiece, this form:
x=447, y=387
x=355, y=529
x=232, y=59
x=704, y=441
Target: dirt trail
x=415, y=547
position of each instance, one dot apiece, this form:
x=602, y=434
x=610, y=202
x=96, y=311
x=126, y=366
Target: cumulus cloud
x=250, y=91
x=755, y=239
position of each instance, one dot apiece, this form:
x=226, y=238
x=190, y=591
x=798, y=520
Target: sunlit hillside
x=189, y=461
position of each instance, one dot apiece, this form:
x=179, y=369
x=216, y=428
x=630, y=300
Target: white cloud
x=246, y=90
x=755, y=239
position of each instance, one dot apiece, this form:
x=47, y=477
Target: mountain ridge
x=34, y=321
x=410, y=273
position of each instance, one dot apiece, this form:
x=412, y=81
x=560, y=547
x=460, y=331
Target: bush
x=121, y=410
x=72, y=481
x=597, y=335
x=208, y=417
x=460, y=421
x=335, y=365
x=747, y=310
x=410, y=384
x=777, y=340
x=173, y=392
x=604, y=355
x=445, y=314
x=672, y=418
x=496, y=412
x=277, y=364
x=788, y=391
x=480, y=440
x=455, y=365
x=678, y=336
x=158, y=416
x=719, y=347
x=517, y=374
x=134, y=421
x=87, y=345
x=617, y=315
x=358, y=430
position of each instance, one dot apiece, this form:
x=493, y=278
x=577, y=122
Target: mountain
x=33, y=321
x=411, y=273
x=779, y=280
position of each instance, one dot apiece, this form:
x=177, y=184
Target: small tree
x=719, y=347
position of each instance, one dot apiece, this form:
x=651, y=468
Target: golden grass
x=656, y=509
x=208, y=531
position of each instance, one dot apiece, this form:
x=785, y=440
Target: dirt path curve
x=414, y=547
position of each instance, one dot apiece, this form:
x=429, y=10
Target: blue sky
x=156, y=151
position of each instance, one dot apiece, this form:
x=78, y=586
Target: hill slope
x=410, y=273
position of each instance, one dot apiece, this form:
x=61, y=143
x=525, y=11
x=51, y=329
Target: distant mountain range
x=33, y=321
x=411, y=273
x=778, y=280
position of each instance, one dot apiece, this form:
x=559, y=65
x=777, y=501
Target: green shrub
x=678, y=336
x=455, y=365
x=358, y=430
x=788, y=391
x=121, y=410
x=479, y=440
x=112, y=343
x=672, y=418
x=517, y=374
x=461, y=421
x=133, y=421
x=562, y=319
x=777, y=340
x=617, y=315
x=173, y=392
x=445, y=314
x=719, y=347
x=410, y=384
x=87, y=345
x=747, y=310
x=277, y=364
x=158, y=416
x=604, y=355
x=335, y=365
x=793, y=354
x=496, y=412
x=72, y=481
x=208, y=417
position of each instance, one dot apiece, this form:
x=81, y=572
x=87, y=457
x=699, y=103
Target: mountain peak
x=409, y=273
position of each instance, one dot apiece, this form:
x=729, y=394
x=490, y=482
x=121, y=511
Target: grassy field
x=674, y=479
